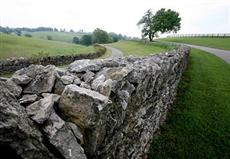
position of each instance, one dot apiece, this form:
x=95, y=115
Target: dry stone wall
x=14, y=64
x=105, y=108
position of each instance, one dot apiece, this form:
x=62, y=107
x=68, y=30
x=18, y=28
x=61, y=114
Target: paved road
x=223, y=54
x=115, y=52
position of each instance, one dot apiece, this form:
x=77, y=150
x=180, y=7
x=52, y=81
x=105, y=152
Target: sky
x=120, y=16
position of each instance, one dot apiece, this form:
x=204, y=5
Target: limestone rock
x=59, y=87
x=41, y=110
x=114, y=112
x=98, y=81
x=84, y=65
x=43, y=79
x=27, y=99
x=80, y=105
x=21, y=79
x=88, y=76
x=107, y=79
x=115, y=73
x=85, y=85
x=63, y=81
x=4, y=79
x=76, y=130
x=77, y=81
x=13, y=88
x=67, y=79
x=124, y=96
x=63, y=138
x=17, y=130
x=32, y=71
x=53, y=125
x=106, y=88
x=94, y=65
x=55, y=97
x=60, y=71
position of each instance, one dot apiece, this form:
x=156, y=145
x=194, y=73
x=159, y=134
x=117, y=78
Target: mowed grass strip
x=138, y=48
x=198, y=125
x=219, y=43
x=19, y=46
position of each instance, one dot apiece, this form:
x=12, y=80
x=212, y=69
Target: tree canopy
x=113, y=37
x=86, y=40
x=100, y=36
x=164, y=21
x=76, y=40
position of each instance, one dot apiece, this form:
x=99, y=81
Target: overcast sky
x=120, y=16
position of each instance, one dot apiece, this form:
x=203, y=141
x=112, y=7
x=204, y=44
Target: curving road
x=115, y=52
x=223, y=54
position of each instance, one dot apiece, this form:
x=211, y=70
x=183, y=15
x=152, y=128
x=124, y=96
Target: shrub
x=100, y=49
x=28, y=35
x=86, y=40
x=49, y=37
x=76, y=40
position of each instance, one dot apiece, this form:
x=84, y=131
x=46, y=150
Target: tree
x=86, y=40
x=76, y=40
x=164, y=21
x=113, y=37
x=62, y=30
x=18, y=32
x=120, y=36
x=146, y=21
x=100, y=36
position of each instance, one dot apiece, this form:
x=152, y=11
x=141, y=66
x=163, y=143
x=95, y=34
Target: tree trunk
x=150, y=37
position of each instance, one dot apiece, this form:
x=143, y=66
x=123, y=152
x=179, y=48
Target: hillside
x=19, y=46
x=57, y=36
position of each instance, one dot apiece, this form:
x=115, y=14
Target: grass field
x=56, y=36
x=138, y=48
x=16, y=46
x=198, y=124
x=220, y=43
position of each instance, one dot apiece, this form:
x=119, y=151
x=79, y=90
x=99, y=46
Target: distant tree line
x=15, y=30
x=99, y=36
x=9, y=30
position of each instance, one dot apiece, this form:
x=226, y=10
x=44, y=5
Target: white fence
x=214, y=35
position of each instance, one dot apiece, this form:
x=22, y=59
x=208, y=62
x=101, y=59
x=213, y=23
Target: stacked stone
x=105, y=108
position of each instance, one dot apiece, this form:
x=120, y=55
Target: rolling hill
x=56, y=36
x=20, y=46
